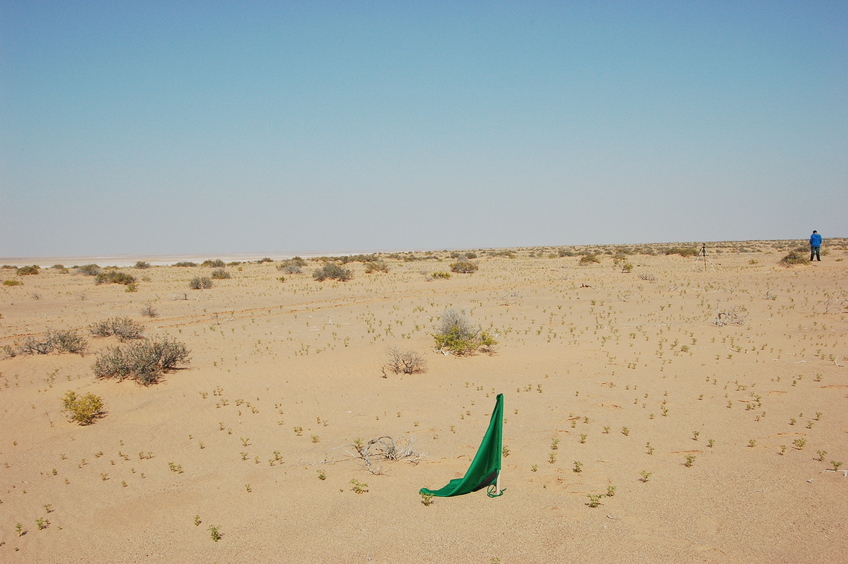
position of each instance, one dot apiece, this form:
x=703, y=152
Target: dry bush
x=795, y=257
x=647, y=276
x=122, y=327
x=88, y=269
x=456, y=335
x=385, y=448
x=217, y=263
x=464, y=266
x=733, y=316
x=28, y=270
x=143, y=361
x=68, y=341
x=141, y=264
x=115, y=277
x=83, y=409
x=220, y=274
x=683, y=251
x=200, y=283
x=589, y=259
x=332, y=271
x=290, y=268
x=149, y=311
x=376, y=266
x=405, y=362
x=185, y=264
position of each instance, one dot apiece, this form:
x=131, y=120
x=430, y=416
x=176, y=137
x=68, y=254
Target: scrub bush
x=114, y=277
x=464, y=266
x=405, y=362
x=144, y=361
x=456, y=335
x=217, y=263
x=793, y=258
x=220, y=274
x=589, y=259
x=200, y=283
x=122, y=327
x=27, y=270
x=89, y=269
x=333, y=271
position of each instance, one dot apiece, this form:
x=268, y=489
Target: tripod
x=702, y=256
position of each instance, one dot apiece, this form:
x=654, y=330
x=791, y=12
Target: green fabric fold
x=485, y=467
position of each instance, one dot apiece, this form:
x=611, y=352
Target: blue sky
x=239, y=127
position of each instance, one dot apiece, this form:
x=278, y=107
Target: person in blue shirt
x=815, y=245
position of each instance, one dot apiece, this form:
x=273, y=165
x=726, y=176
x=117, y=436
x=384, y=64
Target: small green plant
x=427, y=499
x=505, y=451
x=645, y=475
x=610, y=491
x=835, y=465
x=178, y=468
x=552, y=457
x=197, y=521
x=690, y=460
x=555, y=443
x=582, y=438
x=799, y=443
x=215, y=533
x=821, y=454
x=83, y=409
x=695, y=435
x=534, y=468
x=752, y=443
x=594, y=500
x=578, y=467
x=19, y=529
x=625, y=431
x=322, y=475
x=358, y=487
x=710, y=443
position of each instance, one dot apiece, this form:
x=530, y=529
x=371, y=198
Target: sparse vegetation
x=455, y=335
x=220, y=274
x=405, y=362
x=122, y=327
x=464, y=266
x=144, y=361
x=332, y=271
x=28, y=270
x=83, y=409
x=114, y=277
x=794, y=257
x=200, y=283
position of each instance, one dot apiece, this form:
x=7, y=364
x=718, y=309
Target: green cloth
x=486, y=465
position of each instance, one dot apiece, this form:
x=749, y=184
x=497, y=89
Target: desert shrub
x=589, y=259
x=114, y=277
x=332, y=271
x=185, y=264
x=793, y=257
x=376, y=266
x=83, y=409
x=297, y=261
x=88, y=269
x=289, y=268
x=59, y=267
x=217, y=263
x=683, y=251
x=142, y=264
x=627, y=267
x=68, y=341
x=12, y=283
x=143, y=361
x=442, y=275
x=405, y=362
x=28, y=270
x=733, y=316
x=264, y=260
x=149, y=311
x=220, y=274
x=647, y=276
x=124, y=328
x=8, y=267
x=200, y=283
x=464, y=266
x=456, y=335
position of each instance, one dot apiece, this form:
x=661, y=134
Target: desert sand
x=718, y=433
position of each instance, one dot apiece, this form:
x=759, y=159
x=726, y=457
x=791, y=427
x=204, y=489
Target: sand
x=625, y=373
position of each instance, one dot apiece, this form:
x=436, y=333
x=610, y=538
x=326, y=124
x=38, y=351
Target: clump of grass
x=144, y=361
x=332, y=271
x=358, y=487
x=220, y=274
x=12, y=283
x=83, y=409
x=200, y=283
x=441, y=275
x=122, y=327
x=405, y=362
x=456, y=335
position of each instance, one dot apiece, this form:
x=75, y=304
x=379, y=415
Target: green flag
x=485, y=467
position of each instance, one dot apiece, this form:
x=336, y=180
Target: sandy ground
x=626, y=373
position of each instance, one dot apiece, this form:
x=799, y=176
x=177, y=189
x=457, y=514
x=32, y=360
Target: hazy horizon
x=191, y=128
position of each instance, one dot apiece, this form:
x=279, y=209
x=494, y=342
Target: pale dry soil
x=624, y=375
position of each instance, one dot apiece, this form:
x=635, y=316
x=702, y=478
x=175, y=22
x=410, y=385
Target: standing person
x=815, y=245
